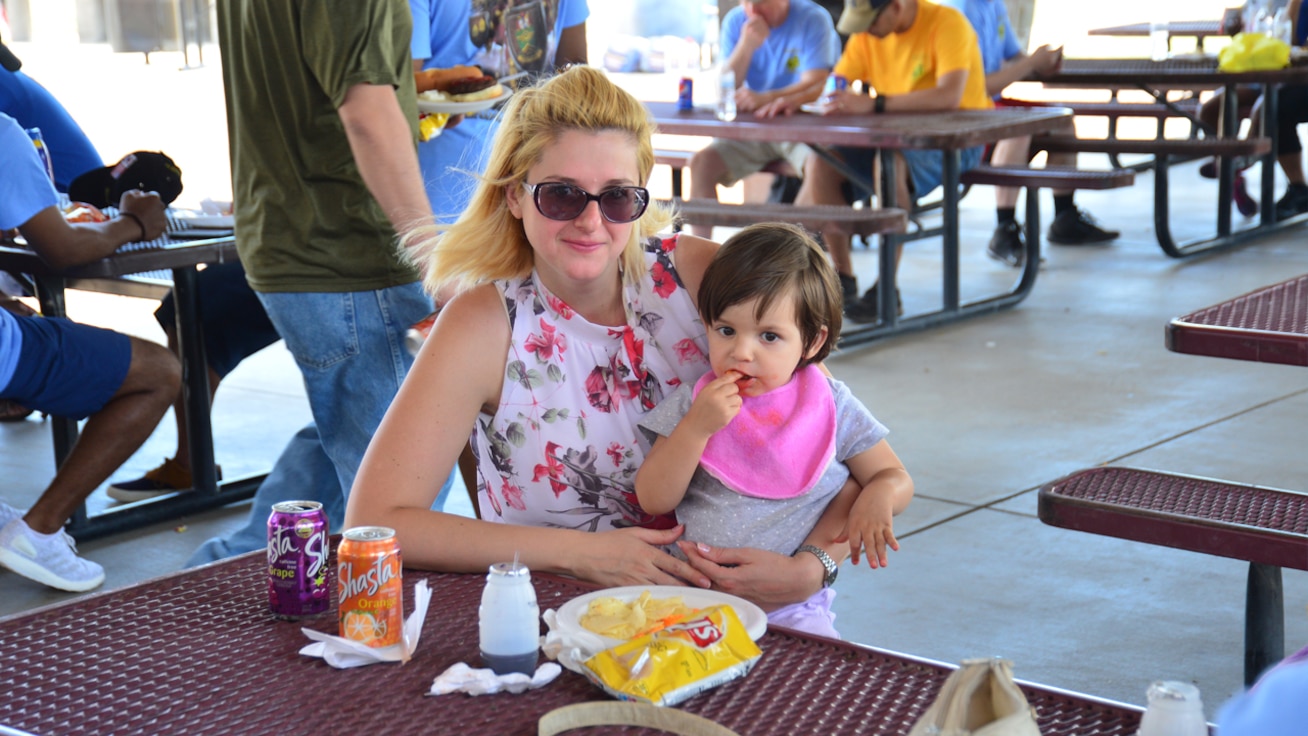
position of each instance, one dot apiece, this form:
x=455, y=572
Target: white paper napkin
x=341, y=653
x=570, y=649
x=462, y=678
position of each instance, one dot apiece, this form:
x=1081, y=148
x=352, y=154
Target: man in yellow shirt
x=911, y=56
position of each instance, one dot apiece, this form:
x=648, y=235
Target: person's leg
x=822, y=186
x=706, y=169
x=724, y=162
x=1007, y=244
x=1071, y=225
x=235, y=327
x=1292, y=109
x=350, y=350
x=124, y=385
x=303, y=472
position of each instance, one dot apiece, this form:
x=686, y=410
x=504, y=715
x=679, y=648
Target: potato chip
x=618, y=619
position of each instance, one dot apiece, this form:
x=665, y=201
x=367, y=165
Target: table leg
x=1267, y=205
x=950, y=275
x=887, y=303
x=1264, y=620
x=195, y=381
x=1229, y=127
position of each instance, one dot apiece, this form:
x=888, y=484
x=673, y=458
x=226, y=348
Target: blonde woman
x=571, y=321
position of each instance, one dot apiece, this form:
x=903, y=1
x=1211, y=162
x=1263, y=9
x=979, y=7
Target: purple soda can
x=297, y=559
x=835, y=83
x=43, y=151
x=686, y=94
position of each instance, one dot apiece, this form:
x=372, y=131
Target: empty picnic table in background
x=1156, y=78
x=114, y=274
x=198, y=650
x=1266, y=527
x=948, y=132
x=1200, y=30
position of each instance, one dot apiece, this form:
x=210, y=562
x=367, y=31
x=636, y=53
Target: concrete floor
x=982, y=413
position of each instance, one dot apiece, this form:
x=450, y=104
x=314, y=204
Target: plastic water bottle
x=1283, y=26
x=726, y=94
x=1159, y=37
x=43, y=151
x=1174, y=709
x=509, y=620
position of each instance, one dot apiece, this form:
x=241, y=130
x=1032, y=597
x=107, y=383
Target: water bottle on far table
x=726, y=94
x=1174, y=709
x=1160, y=39
x=1283, y=26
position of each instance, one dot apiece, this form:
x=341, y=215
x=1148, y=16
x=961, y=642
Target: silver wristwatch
x=825, y=559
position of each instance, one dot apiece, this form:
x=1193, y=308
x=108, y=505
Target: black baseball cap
x=149, y=171
x=8, y=61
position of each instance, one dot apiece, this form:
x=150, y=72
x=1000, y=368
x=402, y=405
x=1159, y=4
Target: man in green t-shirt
x=322, y=117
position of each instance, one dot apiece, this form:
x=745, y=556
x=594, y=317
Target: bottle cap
x=510, y=569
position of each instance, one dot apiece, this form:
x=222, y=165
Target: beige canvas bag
x=979, y=699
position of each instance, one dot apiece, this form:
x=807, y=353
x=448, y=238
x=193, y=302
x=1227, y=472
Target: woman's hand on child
x=633, y=556
x=716, y=405
x=767, y=579
x=871, y=527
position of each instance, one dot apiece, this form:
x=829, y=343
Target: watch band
x=879, y=104
x=827, y=562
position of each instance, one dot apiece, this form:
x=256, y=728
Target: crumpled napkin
x=570, y=649
x=342, y=653
x=462, y=678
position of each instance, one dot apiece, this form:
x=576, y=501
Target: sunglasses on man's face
x=559, y=201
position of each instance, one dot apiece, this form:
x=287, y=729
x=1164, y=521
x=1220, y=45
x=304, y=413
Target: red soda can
x=835, y=83
x=686, y=94
x=297, y=559
x=417, y=334
x=370, y=586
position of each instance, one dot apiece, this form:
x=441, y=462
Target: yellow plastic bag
x=1249, y=52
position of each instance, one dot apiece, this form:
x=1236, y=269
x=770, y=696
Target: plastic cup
x=1175, y=709
x=1158, y=37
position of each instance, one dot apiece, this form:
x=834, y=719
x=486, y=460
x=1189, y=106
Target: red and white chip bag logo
x=703, y=632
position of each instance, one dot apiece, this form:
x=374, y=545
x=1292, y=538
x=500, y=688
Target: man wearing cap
x=1005, y=63
x=121, y=385
x=913, y=56
x=780, y=52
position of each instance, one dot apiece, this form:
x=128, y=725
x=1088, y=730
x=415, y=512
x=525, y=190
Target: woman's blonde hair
x=488, y=243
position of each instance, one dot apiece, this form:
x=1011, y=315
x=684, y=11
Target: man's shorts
x=743, y=158
x=234, y=322
x=925, y=168
x=67, y=369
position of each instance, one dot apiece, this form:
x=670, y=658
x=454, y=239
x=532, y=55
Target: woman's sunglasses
x=559, y=201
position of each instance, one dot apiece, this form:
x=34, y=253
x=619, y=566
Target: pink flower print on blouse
x=688, y=352
x=544, y=345
x=559, y=306
x=513, y=497
x=553, y=467
x=664, y=283
x=617, y=453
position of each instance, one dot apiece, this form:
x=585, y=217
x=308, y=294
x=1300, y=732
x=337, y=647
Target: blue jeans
x=349, y=347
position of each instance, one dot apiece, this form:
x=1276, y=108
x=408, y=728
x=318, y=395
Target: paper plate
x=462, y=108
x=753, y=617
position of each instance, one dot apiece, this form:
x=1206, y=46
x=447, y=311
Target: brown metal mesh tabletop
x=198, y=653
x=1269, y=325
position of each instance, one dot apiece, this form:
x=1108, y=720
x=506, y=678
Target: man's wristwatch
x=827, y=562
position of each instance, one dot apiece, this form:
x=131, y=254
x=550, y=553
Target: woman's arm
x=692, y=257
x=458, y=372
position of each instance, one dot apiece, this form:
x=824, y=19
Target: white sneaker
x=49, y=559
x=8, y=513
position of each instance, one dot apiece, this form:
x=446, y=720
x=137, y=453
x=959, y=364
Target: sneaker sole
x=1098, y=241
x=126, y=496
x=32, y=571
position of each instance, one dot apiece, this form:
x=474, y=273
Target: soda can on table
x=370, y=586
x=297, y=559
x=686, y=94
x=835, y=83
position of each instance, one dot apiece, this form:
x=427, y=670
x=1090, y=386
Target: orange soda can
x=370, y=586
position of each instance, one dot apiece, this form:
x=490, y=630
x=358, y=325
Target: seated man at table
x=121, y=384
x=781, y=52
x=916, y=57
x=1005, y=63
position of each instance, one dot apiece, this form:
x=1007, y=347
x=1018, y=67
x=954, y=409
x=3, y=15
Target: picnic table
x=1200, y=30
x=1157, y=78
x=181, y=257
x=198, y=651
x=949, y=132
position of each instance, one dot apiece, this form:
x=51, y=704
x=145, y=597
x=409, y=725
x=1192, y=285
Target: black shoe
x=1295, y=202
x=1076, y=227
x=864, y=308
x=848, y=287
x=1007, y=245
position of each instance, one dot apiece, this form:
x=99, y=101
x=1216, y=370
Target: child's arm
x=663, y=478
x=887, y=489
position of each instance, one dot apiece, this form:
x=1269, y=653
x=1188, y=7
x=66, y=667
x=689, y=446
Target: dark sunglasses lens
x=560, y=201
x=623, y=204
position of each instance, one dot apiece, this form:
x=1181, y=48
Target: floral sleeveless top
x=563, y=447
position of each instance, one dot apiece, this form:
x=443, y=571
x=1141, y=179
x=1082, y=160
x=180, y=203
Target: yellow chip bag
x=430, y=125
x=679, y=661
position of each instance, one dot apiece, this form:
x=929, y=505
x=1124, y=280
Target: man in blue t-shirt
x=1005, y=62
x=781, y=52
x=121, y=385
x=71, y=152
x=546, y=34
